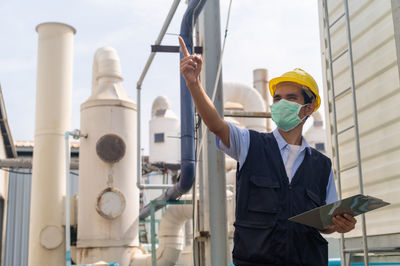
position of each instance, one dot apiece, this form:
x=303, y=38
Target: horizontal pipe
x=230, y=113
x=27, y=163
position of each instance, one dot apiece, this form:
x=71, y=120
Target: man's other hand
x=341, y=224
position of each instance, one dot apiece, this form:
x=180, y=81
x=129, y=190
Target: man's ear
x=310, y=108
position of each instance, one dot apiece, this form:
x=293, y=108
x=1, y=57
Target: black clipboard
x=321, y=217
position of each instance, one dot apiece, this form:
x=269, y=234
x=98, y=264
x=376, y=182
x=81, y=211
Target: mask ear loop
x=305, y=117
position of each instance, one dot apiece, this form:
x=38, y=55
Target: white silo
x=108, y=207
x=164, y=133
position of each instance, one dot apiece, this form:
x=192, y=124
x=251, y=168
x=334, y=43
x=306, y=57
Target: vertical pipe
x=215, y=160
x=357, y=139
x=260, y=81
x=138, y=138
x=331, y=79
x=153, y=234
x=67, y=204
x=52, y=119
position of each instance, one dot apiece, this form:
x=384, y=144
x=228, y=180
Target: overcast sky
x=275, y=34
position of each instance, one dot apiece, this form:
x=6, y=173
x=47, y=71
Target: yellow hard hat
x=298, y=76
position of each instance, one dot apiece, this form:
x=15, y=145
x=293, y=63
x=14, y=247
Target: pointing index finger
x=182, y=44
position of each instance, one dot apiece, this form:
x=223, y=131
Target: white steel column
x=213, y=160
x=52, y=119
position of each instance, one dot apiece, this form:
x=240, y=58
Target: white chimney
x=52, y=119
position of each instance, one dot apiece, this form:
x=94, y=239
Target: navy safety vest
x=265, y=200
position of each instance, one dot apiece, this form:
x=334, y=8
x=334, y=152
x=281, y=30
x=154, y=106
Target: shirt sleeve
x=239, y=139
x=331, y=195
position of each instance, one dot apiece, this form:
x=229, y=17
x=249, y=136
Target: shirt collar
x=282, y=144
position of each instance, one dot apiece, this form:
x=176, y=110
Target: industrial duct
x=170, y=237
x=251, y=101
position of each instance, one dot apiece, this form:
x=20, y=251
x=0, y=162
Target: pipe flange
x=51, y=237
x=110, y=148
x=110, y=203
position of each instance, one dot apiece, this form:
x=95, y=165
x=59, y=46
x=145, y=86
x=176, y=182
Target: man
x=279, y=175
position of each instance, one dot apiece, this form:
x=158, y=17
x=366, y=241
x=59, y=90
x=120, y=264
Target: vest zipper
x=290, y=231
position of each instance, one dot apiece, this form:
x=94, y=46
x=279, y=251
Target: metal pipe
x=27, y=163
x=76, y=135
x=67, y=204
x=355, y=117
x=187, y=118
x=139, y=87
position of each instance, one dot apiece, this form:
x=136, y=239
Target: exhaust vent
x=110, y=148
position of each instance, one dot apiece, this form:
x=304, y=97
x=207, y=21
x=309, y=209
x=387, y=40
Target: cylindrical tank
x=108, y=208
x=164, y=133
x=52, y=119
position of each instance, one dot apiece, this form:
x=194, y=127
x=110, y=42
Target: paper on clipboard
x=321, y=217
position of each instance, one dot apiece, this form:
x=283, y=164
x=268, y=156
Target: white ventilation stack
x=165, y=144
x=108, y=207
x=260, y=83
x=52, y=119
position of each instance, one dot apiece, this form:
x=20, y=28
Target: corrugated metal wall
x=18, y=210
x=378, y=104
x=17, y=227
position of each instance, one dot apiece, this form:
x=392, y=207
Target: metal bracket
x=173, y=49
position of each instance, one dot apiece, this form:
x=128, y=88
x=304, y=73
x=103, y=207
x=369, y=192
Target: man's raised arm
x=190, y=69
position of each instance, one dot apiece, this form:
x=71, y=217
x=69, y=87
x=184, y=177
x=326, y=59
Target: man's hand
x=190, y=65
x=341, y=224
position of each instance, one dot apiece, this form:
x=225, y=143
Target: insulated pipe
x=171, y=239
x=170, y=235
x=251, y=101
x=187, y=117
x=52, y=119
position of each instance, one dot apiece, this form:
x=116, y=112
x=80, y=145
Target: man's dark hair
x=309, y=96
